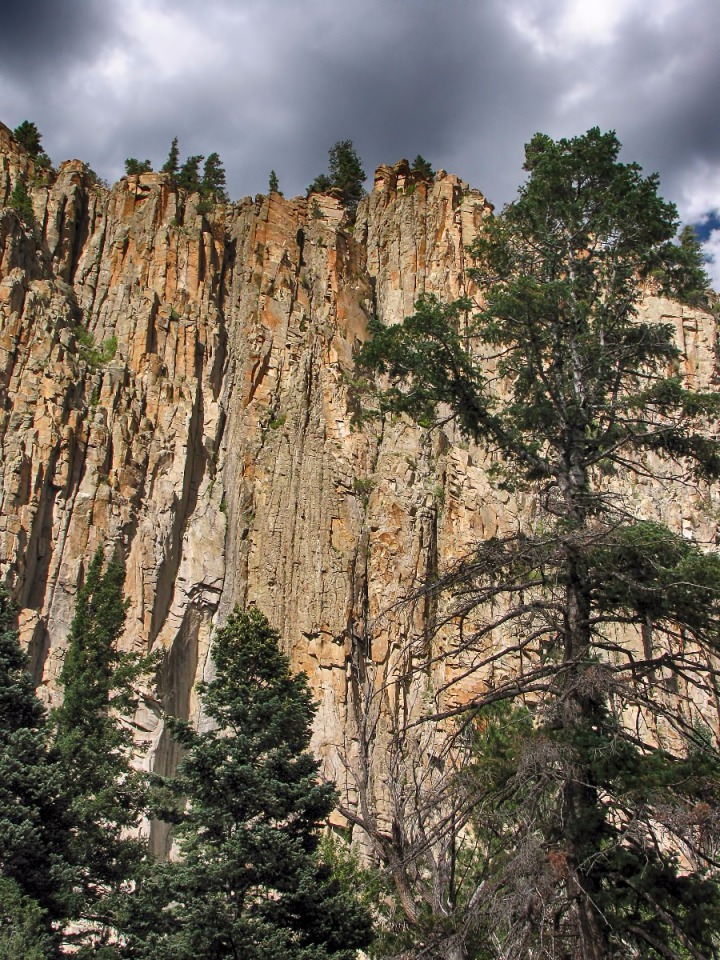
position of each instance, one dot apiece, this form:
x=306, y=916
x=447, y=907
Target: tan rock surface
x=216, y=446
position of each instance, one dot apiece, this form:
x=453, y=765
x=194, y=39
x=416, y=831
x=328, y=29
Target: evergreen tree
x=422, y=167
x=189, y=176
x=29, y=137
x=133, y=167
x=172, y=164
x=213, y=179
x=21, y=203
x=93, y=747
x=34, y=822
x=25, y=932
x=321, y=184
x=346, y=175
x=274, y=185
x=614, y=792
x=249, y=882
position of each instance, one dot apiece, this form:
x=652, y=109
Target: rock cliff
x=182, y=385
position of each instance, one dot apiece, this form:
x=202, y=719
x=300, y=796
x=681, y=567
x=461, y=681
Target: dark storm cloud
x=38, y=37
x=274, y=83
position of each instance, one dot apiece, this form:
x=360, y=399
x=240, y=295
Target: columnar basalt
x=182, y=385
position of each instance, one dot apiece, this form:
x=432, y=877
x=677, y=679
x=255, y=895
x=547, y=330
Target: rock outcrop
x=182, y=385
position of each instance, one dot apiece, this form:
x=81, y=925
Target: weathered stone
x=215, y=447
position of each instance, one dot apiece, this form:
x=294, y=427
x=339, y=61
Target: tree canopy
x=133, y=167
x=345, y=174
x=248, y=804
x=603, y=620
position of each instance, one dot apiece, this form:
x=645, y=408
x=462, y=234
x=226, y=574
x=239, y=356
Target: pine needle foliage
x=248, y=803
x=35, y=825
x=93, y=744
x=606, y=624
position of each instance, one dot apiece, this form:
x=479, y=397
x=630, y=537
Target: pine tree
x=25, y=930
x=213, y=179
x=35, y=827
x=134, y=167
x=273, y=185
x=93, y=747
x=29, y=137
x=423, y=168
x=346, y=175
x=21, y=203
x=172, y=164
x=189, y=175
x=248, y=882
x=610, y=808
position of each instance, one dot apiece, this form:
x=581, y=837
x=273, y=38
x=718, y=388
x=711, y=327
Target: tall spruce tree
x=213, y=185
x=189, y=176
x=248, y=882
x=606, y=624
x=346, y=175
x=35, y=826
x=172, y=164
x=94, y=746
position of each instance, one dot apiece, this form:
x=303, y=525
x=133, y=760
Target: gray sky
x=272, y=84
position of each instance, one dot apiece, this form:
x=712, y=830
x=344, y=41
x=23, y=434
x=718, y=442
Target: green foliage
x=25, y=932
x=682, y=269
x=189, y=175
x=212, y=185
x=346, y=175
x=172, y=164
x=423, y=168
x=600, y=853
x=249, y=881
x=321, y=184
x=34, y=825
x=29, y=137
x=21, y=203
x=107, y=795
x=273, y=184
x=94, y=357
x=133, y=167
x=316, y=210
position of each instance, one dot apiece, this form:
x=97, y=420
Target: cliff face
x=182, y=386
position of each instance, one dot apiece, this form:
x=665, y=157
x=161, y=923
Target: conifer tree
x=29, y=137
x=346, y=175
x=248, y=882
x=189, y=175
x=35, y=826
x=133, y=167
x=93, y=747
x=172, y=164
x=213, y=179
x=273, y=184
x=422, y=167
x=606, y=624
x=21, y=203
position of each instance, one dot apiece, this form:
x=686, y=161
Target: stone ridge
x=182, y=386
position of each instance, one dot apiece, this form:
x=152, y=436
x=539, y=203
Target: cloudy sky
x=274, y=83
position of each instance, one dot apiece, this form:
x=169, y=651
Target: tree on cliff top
x=606, y=625
x=346, y=175
x=213, y=181
x=249, y=805
x=30, y=138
